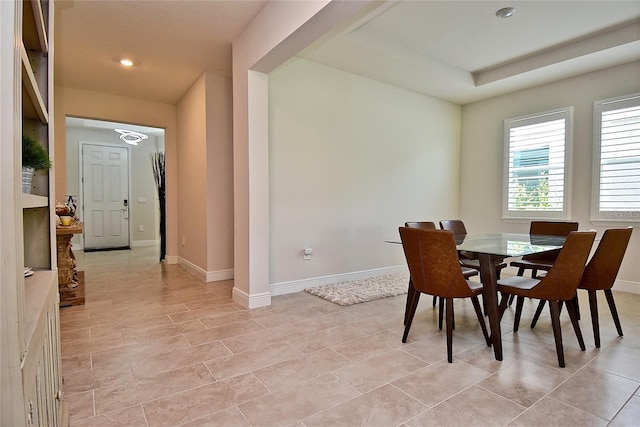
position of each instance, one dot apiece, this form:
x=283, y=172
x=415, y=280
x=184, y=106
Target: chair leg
x=408, y=303
x=572, y=309
x=410, y=295
x=499, y=302
x=595, y=323
x=536, y=316
x=614, y=311
x=503, y=305
x=449, y=303
x=557, y=333
x=484, y=307
x=483, y=326
x=441, y=315
x=435, y=300
x=516, y=321
x=511, y=297
x=412, y=311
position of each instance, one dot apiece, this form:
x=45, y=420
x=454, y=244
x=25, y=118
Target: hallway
x=155, y=346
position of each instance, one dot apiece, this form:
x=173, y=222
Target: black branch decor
x=158, y=165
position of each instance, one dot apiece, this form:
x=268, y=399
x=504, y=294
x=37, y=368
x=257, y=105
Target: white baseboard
x=283, y=288
x=140, y=243
x=626, y=286
x=171, y=259
x=251, y=301
x=220, y=275
x=207, y=276
x=189, y=266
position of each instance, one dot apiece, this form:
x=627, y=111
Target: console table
x=70, y=281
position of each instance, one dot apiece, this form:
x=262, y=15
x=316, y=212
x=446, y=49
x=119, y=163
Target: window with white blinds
x=536, y=165
x=616, y=169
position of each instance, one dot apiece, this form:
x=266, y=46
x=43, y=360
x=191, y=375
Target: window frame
x=599, y=107
x=565, y=113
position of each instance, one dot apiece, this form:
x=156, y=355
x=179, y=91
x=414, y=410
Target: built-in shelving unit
x=32, y=383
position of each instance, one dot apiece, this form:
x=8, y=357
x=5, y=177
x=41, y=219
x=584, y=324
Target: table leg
x=490, y=296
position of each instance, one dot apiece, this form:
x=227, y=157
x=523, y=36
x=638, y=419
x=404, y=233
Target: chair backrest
x=455, y=225
x=602, y=269
x=433, y=262
x=550, y=228
x=423, y=225
x=562, y=280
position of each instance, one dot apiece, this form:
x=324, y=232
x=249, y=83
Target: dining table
x=491, y=247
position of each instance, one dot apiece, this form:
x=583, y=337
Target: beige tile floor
x=155, y=346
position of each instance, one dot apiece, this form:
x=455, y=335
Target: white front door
x=105, y=195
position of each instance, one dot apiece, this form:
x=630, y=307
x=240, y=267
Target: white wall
x=205, y=178
x=350, y=160
x=278, y=32
x=482, y=148
x=142, y=183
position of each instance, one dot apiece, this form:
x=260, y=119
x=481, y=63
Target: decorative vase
x=27, y=179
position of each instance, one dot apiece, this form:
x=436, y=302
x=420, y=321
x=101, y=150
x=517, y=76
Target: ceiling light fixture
x=130, y=137
x=126, y=62
x=506, y=12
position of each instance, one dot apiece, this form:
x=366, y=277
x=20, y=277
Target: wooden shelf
x=35, y=26
x=34, y=201
x=37, y=290
x=30, y=316
x=31, y=85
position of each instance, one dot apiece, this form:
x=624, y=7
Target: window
x=616, y=159
x=536, y=165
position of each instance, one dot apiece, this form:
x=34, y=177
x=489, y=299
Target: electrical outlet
x=184, y=240
x=141, y=228
x=306, y=253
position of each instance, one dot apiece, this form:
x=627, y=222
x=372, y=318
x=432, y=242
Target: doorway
x=142, y=210
x=105, y=195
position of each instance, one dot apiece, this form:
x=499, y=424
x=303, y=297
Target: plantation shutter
x=536, y=165
x=618, y=195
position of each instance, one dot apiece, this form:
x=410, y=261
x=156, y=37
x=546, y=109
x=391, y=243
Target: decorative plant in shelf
x=34, y=157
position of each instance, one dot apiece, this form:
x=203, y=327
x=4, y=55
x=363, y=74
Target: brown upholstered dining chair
x=466, y=259
x=558, y=286
x=543, y=261
x=600, y=275
x=466, y=272
x=433, y=264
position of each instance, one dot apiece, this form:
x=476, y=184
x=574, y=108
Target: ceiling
x=172, y=43
x=454, y=50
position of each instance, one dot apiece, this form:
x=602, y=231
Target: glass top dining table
x=508, y=244
x=491, y=247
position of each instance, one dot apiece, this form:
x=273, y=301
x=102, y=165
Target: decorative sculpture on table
x=71, y=203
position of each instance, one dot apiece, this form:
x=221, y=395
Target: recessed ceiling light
x=126, y=62
x=506, y=12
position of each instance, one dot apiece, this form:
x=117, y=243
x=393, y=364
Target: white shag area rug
x=363, y=290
